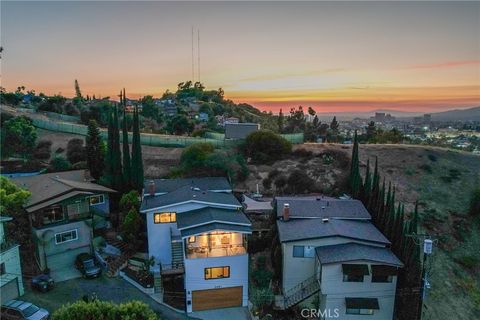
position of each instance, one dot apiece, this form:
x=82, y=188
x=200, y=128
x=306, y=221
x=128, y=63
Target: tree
x=280, y=121
x=113, y=161
x=127, y=167
x=475, y=202
x=266, y=146
x=311, y=111
x=371, y=131
x=196, y=154
x=137, y=161
x=355, y=180
x=59, y=163
x=95, y=152
x=179, y=125
x=131, y=226
x=78, y=93
x=18, y=136
x=334, y=126
x=104, y=310
x=75, y=151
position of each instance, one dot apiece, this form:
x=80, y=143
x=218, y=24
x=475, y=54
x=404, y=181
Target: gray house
x=240, y=130
x=63, y=209
x=331, y=250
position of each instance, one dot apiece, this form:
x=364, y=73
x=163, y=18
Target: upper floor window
x=354, y=272
x=382, y=273
x=52, y=214
x=165, y=217
x=303, y=251
x=217, y=273
x=66, y=236
x=97, y=199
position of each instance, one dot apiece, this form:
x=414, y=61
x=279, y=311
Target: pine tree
x=137, y=162
x=108, y=172
x=78, y=93
x=355, y=180
x=127, y=169
x=117, y=174
x=94, y=149
x=280, y=121
x=367, y=186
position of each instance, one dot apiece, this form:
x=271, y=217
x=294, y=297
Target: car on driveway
x=16, y=310
x=42, y=283
x=87, y=265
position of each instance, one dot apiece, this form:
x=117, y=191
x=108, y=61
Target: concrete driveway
x=239, y=313
x=109, y=289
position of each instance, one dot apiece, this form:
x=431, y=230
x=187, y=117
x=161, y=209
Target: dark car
x=16, y=309
x=42, y=283
x=87, y=265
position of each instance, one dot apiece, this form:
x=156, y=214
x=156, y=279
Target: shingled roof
x=301, y=229
x=208, y=215
x=318, y=207
x=45, y=188
x=206, y=183
x=356, y=251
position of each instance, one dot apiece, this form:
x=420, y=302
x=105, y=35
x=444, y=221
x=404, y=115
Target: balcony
x=215, y=244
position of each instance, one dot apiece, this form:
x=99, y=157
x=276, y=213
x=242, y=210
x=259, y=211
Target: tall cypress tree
x=355, y=180
x=137, y=162
x=95, y=156
x=107, y=177
x=127, y=168
x=117, y=174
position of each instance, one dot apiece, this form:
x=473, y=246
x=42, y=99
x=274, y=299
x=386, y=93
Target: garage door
x=62, y=265
x=9, y=291
x=217, y=298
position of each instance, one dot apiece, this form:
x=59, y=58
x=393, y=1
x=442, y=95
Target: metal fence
x=155, y=140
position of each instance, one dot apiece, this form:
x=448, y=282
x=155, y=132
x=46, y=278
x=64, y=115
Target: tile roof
x=322, y=208
x=47, y=186
x=207, y=183
x=356, y=251
x=208, y=215
x=300, y=229
x=185, y=194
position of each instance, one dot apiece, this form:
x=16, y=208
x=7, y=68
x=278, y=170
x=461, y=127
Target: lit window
x=191, y=239
x=66, y=236
x=165, y=217
x=217, y=273
x=98, y=199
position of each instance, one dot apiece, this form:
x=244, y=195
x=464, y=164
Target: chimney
x=286, y=212
x=151, y=188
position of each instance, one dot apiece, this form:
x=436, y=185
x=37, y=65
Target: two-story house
x=331, y=249
x=63, y=209
x=196, y=228
x=11, y=283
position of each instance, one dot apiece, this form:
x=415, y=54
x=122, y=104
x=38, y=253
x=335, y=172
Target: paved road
x=110, y=289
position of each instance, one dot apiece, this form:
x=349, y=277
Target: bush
x=43, y=150
x=432, y=157
x=469, y=262
x=76, y=151
x=59, y=164
x=299, y=182
x=266, y=146
x=261, y=278
x=475, y=202
x=104, y=310
x=426, y=167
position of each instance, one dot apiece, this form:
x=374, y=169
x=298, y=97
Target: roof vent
x=196, y=189
x=325, y=220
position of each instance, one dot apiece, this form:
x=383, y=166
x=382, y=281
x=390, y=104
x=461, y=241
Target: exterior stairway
x=177, y=253
x=120, y=261
x=300, y=292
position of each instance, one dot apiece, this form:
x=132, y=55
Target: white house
x=330, y=249
x=11, y=283
x=196, y=227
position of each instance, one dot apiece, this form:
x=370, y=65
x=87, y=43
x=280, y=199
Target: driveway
x=109, y=289
x=239, y=313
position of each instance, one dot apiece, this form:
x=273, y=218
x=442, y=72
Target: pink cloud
x=447, y=64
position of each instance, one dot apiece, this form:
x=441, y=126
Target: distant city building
x=240, y=130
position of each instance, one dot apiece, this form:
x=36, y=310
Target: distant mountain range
x=450, y=115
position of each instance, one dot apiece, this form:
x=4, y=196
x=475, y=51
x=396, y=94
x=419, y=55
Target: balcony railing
x=211, y=252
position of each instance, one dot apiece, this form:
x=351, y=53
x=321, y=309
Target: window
x=66, y=236
x=77, y=208
x=2, y=268
x=98, y=199
x=298, y=251
x=52, y=214
x=165, y=217
x=354, y=272
x=303, y=251
x=360, y=311
x=217, y=273
x=191, y=239
x=381, y=278
x=352, y=278
x=383, y=273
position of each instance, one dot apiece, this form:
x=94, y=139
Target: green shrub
x=104, y=310
x=266, y=146
x=468, y=261
x=59, y=164
x=475, y=202
x=262, y=278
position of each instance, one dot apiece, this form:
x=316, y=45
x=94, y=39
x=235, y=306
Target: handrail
x=300, y=286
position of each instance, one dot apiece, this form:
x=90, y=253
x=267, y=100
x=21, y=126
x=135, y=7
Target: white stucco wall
x=296, y=270
x=334, y=291
x=195, y=275
x=13, y=269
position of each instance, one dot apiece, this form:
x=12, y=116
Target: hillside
x=471, y=114
x=441, y=180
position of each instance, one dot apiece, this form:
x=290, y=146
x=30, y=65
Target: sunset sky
x=343, y=56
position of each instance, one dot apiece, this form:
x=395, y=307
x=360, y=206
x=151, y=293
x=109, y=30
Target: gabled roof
x=207, y=215
x=318, y=207
x=207, y=183
x=215, y=227
x=45, y=188
x=301, y=229
x=355, y=251
x=188, y=194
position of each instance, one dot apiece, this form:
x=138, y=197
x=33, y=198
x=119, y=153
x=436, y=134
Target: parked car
x=16, y=309
x=87, y=265
x=42, y=283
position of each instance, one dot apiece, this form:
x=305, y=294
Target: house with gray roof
x=197, y=230
x=332, y=251
x=62, y=209
x=240, y=130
